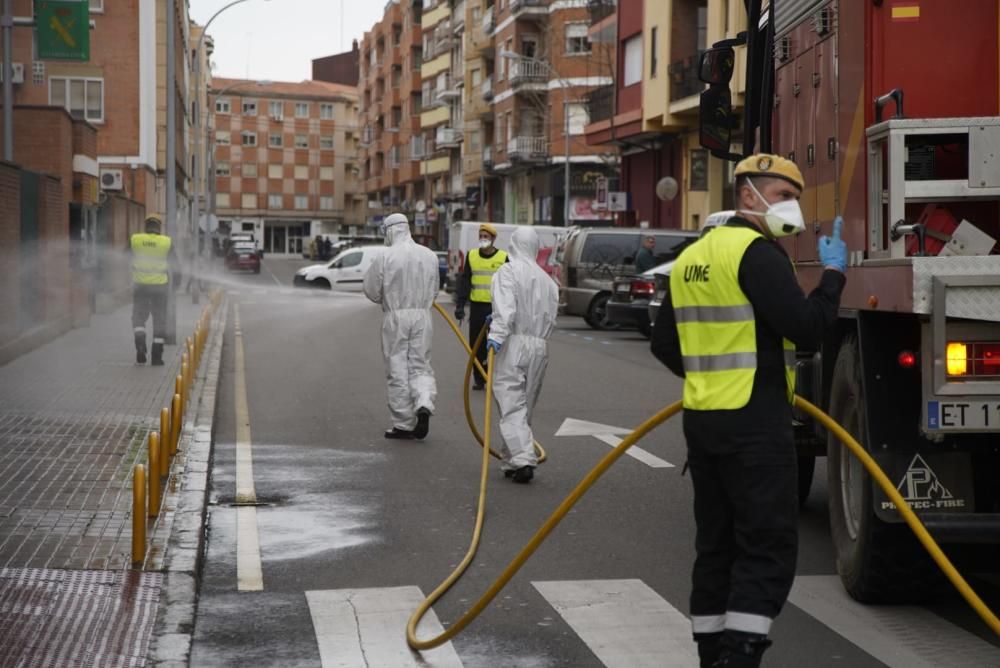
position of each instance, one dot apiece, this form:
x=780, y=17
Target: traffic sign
x=63, y=29
x=617, y=201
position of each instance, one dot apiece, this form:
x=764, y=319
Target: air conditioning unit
x=18, y=77
x=111, y=179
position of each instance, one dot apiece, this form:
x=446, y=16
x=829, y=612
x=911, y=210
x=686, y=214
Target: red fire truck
x=892, y=111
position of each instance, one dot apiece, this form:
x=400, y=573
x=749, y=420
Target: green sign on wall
x=63, y=29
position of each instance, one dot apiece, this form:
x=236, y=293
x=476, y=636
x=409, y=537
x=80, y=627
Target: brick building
x=286, y=161
x=341, y=68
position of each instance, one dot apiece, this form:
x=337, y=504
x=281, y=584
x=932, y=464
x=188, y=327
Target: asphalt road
x=345, y=513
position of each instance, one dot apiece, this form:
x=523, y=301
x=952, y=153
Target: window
x=248, y=138
x=275, y=171
x=301, y=141
x=276, y=110
x=222, y=200
x=578, y=117
x=275, y=140
x=82, y=98
x=249, y=107
x=222, y=137
x=351, y=260
x=222, y=169
x=302, y=171
x=477, y=77
x=274, y=201
x=416, y=147
x=577, y=40
x=326, y=203
x=248, y=201
x=326, y=173
x=326, y=142
x=222, y=105
x=652, y=52
x=302, y=202
x=474, y=140
x=301, y=110
x=96, y=5
x=326, y=111
x=632, y=67
x=250, y=169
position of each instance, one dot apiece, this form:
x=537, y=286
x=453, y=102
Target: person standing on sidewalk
x=729, y=325
x=153, y=256
x=404, y=280
x=474, y=287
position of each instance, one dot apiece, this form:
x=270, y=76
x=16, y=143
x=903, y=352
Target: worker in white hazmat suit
x=525, y=300
x=404, y=280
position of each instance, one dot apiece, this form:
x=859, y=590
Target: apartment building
x=392, y=146
x=651, y=110
x=286, y=161
x=339, y=68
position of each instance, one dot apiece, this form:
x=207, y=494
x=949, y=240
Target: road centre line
x=623, y=622
x=364, y=627
x=264, y=264
x=249, y=575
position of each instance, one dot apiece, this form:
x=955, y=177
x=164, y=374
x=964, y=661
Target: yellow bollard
x=178, y=424
x=153, y=483
x=196, y=347
x=138, y=514
x=186, y=378
x=179, y=384
x=164, y=441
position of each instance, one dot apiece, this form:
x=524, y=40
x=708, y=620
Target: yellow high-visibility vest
x=715, y=322
x=149, y=259
x=483, y=269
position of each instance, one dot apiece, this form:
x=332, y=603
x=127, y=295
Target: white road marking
x=249, y=576
x=607, y=433
x=367, y=627
x=624, y=622
x=898, y=636
x=264, y=264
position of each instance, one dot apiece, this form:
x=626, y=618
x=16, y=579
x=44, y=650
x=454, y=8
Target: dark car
x=628, y=305
x=243, y=255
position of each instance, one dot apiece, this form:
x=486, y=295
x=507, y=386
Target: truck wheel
x=597, y=313
x=807, y=467
x=878, y=562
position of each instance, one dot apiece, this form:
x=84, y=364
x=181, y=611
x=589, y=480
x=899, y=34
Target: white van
x=344, y=272
x=464, y=236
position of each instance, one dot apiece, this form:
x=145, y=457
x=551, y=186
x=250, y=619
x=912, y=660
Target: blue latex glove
x=494, y=345
x=833, y=250
x=489, y=320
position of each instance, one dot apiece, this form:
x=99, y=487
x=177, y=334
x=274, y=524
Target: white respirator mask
x=783, y=218
x=485, y=243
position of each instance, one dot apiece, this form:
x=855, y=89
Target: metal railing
x=601, y=9
x=601, y=103
x=684, y=81
x=446, y=137
x=528, y=70
x=527, y=148
x=488, y=157
x=487, y=88
x=518, y=5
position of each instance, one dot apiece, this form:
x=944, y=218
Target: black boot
x=741, y=650
x=399, y=434
x=423, y=423
x=709, y=646
x=524, y=474
x=140, y=347
x=157, y=354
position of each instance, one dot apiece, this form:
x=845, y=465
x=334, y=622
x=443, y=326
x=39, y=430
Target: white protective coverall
x=404, y=280
x=525, y=301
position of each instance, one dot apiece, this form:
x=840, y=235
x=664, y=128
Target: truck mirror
x=716, y=119
x=716, y=67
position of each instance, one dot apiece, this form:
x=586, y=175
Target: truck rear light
x=643, y=288
x=957, y=359
x=986, y=359
x=907, y=360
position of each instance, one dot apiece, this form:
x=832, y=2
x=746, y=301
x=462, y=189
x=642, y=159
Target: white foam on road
x=624, y=622
x=367, y=627
x=898, y=636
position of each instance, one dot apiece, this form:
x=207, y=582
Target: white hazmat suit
x=525, y=302
x=404, y=280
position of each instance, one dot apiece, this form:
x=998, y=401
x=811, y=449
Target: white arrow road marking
x=365, y=627
x=624, y=622
x=609, y=434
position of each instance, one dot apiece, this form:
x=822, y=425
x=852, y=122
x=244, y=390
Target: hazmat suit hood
x=524, y=244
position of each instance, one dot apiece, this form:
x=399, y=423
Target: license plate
x=244, y=257
x=959, y=415
x=622, y=289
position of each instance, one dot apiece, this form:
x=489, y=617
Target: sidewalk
x=74, y=419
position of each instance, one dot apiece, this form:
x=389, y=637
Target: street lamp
x=565, y=84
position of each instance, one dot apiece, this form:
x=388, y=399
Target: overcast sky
x=277, y=39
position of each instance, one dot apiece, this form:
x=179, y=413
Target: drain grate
x=52, y=618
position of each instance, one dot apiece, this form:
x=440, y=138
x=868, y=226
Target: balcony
x=601, y=9
x=458, y=16
x=527, y=149
x=528, y=8
x=527, y=71
x=445, y=137
x=488, y=157
x=450, y=90
x=444, y=37
x=684, y=81
x=601, y=103
x=488, y=23
x=487, y=88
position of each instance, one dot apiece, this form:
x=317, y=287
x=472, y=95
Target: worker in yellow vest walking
x=474, y=287
x=729, y=325
x=152, y=258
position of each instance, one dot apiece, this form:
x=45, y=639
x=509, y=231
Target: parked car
x=442, y=268
x=243, y=255
x=592, y=257
x=630, y=298
x=662, y=280
x=346, y=271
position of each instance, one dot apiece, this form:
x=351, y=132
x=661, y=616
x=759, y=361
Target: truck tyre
x=597, y=312
x=878, y=562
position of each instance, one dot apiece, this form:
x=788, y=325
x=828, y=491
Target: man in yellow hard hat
x=729, y=325
x=152, y=257
x=474, y=287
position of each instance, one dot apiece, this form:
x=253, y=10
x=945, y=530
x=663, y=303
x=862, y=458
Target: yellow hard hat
x=767, y=164
x=489, y=229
